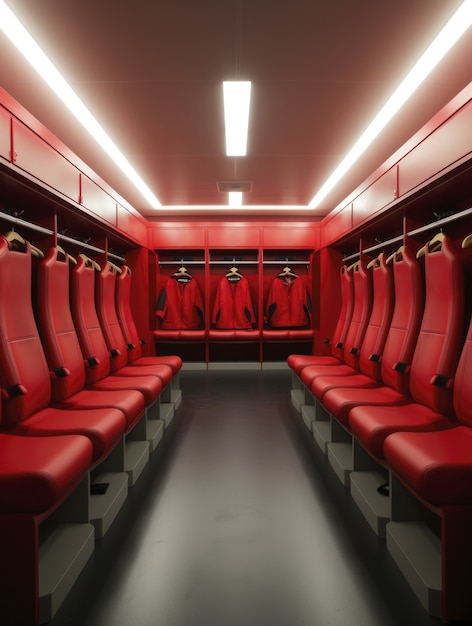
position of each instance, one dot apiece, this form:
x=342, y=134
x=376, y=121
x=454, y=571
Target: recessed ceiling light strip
x=448, y=36
x=24, y=42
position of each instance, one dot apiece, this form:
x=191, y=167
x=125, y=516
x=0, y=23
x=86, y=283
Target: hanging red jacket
x=180, y=305
x=288, y=303
x=233, y=307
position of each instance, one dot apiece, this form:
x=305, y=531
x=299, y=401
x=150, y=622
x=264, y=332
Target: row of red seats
x=74, y=387
x=234, y=335
x=396, y=385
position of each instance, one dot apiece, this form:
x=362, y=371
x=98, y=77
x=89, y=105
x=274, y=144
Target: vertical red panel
x=5, y=135
x=337, y=225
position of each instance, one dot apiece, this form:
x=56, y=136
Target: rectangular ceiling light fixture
x=235, y=199
x=236, y=97
x=449, y=35
x=28, y=47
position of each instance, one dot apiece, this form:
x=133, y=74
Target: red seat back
x=441, y=333
x=404, y=327
x=380, y=318
x=125, y=317
x=24, y=373
x=362, y=278
x=105, y=301
x=87, y=325
x=345, y=315
x=57, y=329
x=462, y=382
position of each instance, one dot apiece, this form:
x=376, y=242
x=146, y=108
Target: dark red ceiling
x=151, y=72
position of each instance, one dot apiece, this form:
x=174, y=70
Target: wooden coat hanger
x=432, y=246
x=353, y=267
x=467, y=241
x=375, y=262
x=14, y=237
x=114, y=268
x=287, y=271
x=233, y=274
x=396, y=256
x=68, y=257
x=182, y=273
x=90, y=262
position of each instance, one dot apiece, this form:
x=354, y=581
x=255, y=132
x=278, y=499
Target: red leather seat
x=375, y=336
x=36, y=473
x=129, y=330
x=63, y=352
x=434, y=362
x=399, y=346
x=438, y=465
x=93, y=348
x=115, y=342
x=24, y=374
x=362, y=277
x=298, y=361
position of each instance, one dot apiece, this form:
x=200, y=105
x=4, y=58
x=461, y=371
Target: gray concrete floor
x=237, y=521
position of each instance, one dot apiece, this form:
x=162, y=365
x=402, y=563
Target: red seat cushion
x=37, y=472
x=436, y=465
x=234, y=335
x=340, y=401
x=287, y=335
x=104, y=428
x=173, y=361
x=297, y=362
x=123, y=397
x=162, y=372
x=322, y=384
x=371, y=425
x=179, y=335
x=311, y=372
x=149, y=386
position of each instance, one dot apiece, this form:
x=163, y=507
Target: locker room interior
x=251, y=413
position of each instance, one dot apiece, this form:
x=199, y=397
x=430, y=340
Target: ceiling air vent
x=225, y=186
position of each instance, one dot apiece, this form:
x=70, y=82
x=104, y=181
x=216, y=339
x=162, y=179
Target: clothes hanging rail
x=412, y=233
x=80, y=244
x=380, y=246
x=183, y=261
x=116, y=257
x=440, y=223
x=17, y=221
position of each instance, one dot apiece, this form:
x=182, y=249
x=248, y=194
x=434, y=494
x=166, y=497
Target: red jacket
x=233, y=307
x=288, y=304
x=180, y=305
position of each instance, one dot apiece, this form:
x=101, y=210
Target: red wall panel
x=37, y=157
x=131, y=225
x=338, y=225
x=98, y=201
x=447, y=144
x=291, y=235
x=177, y=236
x=233, y=236
x=5, y=134
x=375, y=197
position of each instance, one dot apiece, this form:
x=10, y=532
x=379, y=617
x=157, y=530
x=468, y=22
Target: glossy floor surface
x=238, y=521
